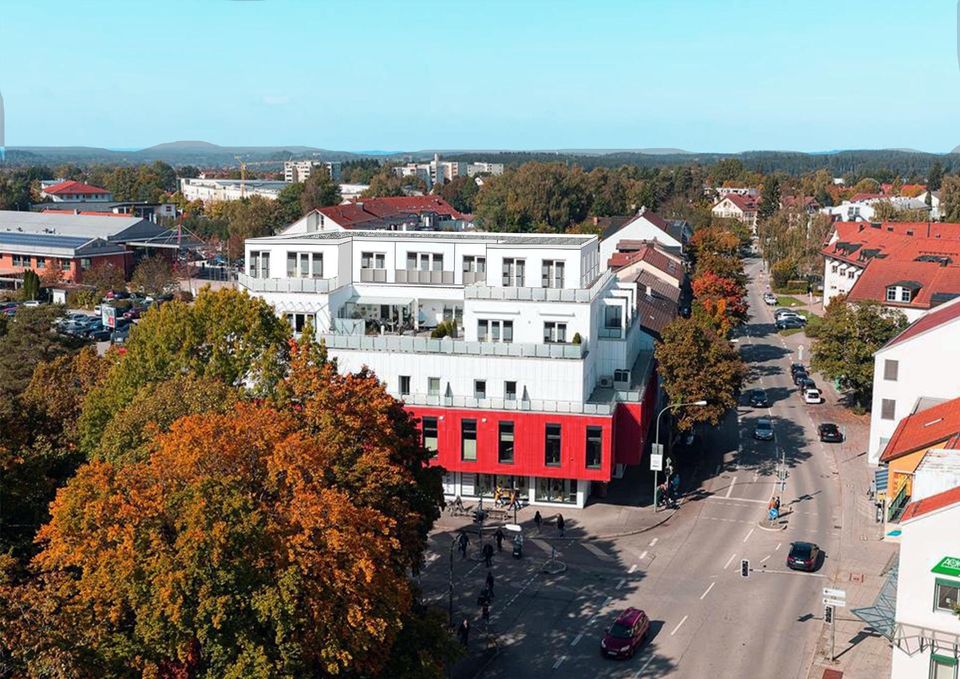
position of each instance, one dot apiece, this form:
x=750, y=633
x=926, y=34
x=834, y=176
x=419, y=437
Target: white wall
x=638, y=229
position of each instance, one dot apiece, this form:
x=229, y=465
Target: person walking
x=560, y=524
x=485, y=611
x=488, y=554
x=499, y=538
x=537, y=519
x=463, y=632
x=462, y=543
x=489, y=582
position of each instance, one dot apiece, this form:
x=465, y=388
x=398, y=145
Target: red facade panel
x=631, y=424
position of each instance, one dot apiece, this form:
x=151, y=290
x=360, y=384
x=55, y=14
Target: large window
x=430, y=435
x=594, y=447
x=557, y=490
x=304, y=265
x=505, y=448
x=510, y=390
x=64, y=264
x=888, y=409
x=424, y=261
x=513, y=271
x=891, y=369
x=551, y=273
x=433, y=386
x=41, y=262
x=551, y=450
x=404, y=385
x=494, y=330
x=474, y=264
x=468, y=440
x=480, y=389
x=613, y=317
x=372, y=260
x=259, y=265
x=20, y=260
x=947, y=595
x=554, y=332
x=300, y=321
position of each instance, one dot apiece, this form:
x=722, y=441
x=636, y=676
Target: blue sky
x=700, y=75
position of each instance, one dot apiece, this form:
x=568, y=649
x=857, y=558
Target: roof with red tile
x=934, y=318
x=72, y=187
x=363, y=212
x=646, y=253
x=861, y=197
x=796, y=201
x=931, y=504
x=930, y=277
x=745, y=203
x=923, y=429
x=858, y=242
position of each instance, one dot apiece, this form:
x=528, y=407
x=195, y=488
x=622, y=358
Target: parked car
x=627, y=633
x=804, y=556
x=120, y=336
x=758, y=399
x=789, y=323
x=799, y=376
x=32, y=302
x=797, y=368
x=100, y=335
x=763, y=431
x=812, y=396
x=769, y=298
x=830, y=433
x=806, y=383
x=133, y=312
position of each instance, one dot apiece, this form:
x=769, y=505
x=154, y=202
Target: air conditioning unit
x=606, y=382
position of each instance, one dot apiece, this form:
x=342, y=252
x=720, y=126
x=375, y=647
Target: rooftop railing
x=526, y=294
x=423, y=345
x=311, y=285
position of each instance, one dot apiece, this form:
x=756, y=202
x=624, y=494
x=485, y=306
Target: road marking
x=542, y=544
x=778, y=547
x=765, y=558
x=643, y=555
x=622, y=582
x=738, y=499
x=633, y=567
x=729, y=561
x=679, y=625
x=590, y=547
x=649, y=660
x=812, y=575
x=730, y=488
x=653, y=542
x=702, y=596
x=576, y=639
x=559, y=662
x=747, y=537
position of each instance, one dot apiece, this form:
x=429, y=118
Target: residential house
x=395, y=213
x=637, y=256
x=911, y=287
x=743, y=208
x=646, y=225
x=300, y=170
x=61, y=191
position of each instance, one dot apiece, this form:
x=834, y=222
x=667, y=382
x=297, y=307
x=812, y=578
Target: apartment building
x=521, y=354
x=300, y=170
x=208, y=190
x=742, y=207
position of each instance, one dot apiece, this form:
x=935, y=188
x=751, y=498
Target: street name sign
x=830, y=601
x=656, y=462
x=834, y=593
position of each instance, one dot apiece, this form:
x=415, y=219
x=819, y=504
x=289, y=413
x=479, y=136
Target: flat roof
x=559, y=240
x=89, y=226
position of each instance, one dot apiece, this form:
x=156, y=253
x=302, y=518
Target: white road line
x=644, y=667
x=643, y=555
x=576, y=639
x=737, y=499
x=653, y=542
x=622, y=582
x=778, y=547
x=633, y=567
x=590, y=547
x=703, y=596
x=729, y=561
x=542, y=544
x=730, y=488
x=747, y=537
x=679, y=625
x=765, y=558
x=559, y=662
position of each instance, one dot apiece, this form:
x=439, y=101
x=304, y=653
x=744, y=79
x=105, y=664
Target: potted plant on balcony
x=577, y=339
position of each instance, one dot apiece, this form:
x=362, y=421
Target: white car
x=812, y=396
x=769, y=298
x=782, y=315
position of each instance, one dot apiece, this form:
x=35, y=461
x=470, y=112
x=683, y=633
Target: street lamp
x=656, y=445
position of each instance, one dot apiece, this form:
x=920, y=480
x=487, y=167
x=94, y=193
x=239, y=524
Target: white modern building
x=926, y=633
x=521, y=354
x=209, y=190
x=481, y=167
x=300, y=170
x=918, y=368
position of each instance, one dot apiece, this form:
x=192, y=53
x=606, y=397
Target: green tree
x=460, y=193
x=950, y=198
x=153, y=276
x=935, y=176
x=849, y=336
x=288, y=202
x=769, y=197
x=319, y=191
x=104, y=276
x=31, y=285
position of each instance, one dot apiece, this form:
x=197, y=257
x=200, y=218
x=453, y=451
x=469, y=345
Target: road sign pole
x=833, y=637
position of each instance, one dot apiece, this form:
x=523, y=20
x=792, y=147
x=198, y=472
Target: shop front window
x=557, y=490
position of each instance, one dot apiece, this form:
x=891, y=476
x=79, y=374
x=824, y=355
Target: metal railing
x=424, y=345
x=520, y=405
x=539, y=294
x=312, y=285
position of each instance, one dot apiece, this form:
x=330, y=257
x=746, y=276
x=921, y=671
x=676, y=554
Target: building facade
x=521, y=355
x=743, y=208
x=300, y=170
x=72, y=191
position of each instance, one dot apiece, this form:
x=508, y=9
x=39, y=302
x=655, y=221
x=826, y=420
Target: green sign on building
x=949, y=565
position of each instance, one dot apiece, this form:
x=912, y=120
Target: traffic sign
x=834, y=593
x=830, y=601
x=828, y=614
x=656, y=462
x=656, y=449
x=744, y=568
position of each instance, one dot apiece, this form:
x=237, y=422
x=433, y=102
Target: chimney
x=649, y=291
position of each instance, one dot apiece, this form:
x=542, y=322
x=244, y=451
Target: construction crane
x=243, y=177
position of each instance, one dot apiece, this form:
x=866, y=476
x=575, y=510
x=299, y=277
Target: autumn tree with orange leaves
x=722, y=299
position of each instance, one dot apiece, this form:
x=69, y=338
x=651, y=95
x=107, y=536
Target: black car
x=830, y=433
x=788, y=323
x=101, y=335
x=797, y=368
x=758, y=399
x=800, y=376
x=806, y=383
x=804, y=556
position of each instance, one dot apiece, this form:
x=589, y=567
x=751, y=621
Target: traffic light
x=744, y=568
x=828, y=614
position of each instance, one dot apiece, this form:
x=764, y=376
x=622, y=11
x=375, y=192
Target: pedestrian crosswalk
x=540, y=547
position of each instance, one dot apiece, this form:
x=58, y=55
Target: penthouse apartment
x=521, y=355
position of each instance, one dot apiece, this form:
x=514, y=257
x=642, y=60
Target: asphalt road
x=708, y=621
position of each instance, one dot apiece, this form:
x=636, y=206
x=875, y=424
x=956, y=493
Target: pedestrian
x=537, y=519
x=462, y=543
x=560, y=524
x=499, y=537
x=488, y=554
x=675, y=484
x=777, y=505
x=489, y=582
x=485, y=611
x=463, y=632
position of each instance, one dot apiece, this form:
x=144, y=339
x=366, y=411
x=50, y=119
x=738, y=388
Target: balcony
x=424, y=345
x=540, y=294
x=308, y=285
x=373, y=275
x=419, y=277
x=520, y=405
x=472, y=277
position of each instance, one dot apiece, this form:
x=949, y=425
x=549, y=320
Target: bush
x=782, y=272
x=183, y=296
x=82, y=299
x=444, y=329
x=576, y=338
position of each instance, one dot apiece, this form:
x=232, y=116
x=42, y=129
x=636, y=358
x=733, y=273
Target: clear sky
x=700, y=75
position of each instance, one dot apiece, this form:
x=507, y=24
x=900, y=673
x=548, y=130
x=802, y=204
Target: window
x=300, y=321
x=64, y=264
x=468, y=440
x=621, y=375
x=557, y=490
x=551, y=456
x=891, y=294
x=474, y=264
x=613, y=317
x=906, y=294
x=259, y=265
x=424, y=261
x=510, y=390
x=404, y=385
x=433, y=386
x=594, y=447
x=552, y=273
x=513, y=270
x=505, y=446
x=479, y=388
x=19, y=260
x=888, y=408
x=372, y=260
x=430, y=435
x=946, y=597
x=834, y=268
x=41, y=262
x=304, y=265
x=84, y=263
x=943, y=666
x=494, y=331
x=554, y=332
x=890, y=369
x=850, y=274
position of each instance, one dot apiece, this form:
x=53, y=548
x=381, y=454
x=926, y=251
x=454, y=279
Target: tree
x=104, y=276
x=847, y=339
x=319, y=191
x=721, y=265
x=460, y=193
x=935, y=176
x=721, y=297
x=715, y=240
x=770, y=197
x=696, y=363
x=153, y=276
x=31, y=285
x=950, y=198
x=288, y=202
x=782, y=272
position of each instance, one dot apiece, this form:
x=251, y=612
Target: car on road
x=789, y=323
x=769, y=298
x=797, y=368
x=758, y=399
x=806, y=383
x=627, y=633
x=763, y=430
x=799, y=376
x=812, y=396
x=804, y=556
x=830, y=433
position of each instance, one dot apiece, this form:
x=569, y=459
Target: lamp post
x=656, y=445
x=453, y=543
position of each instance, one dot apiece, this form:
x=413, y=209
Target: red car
x=628, y=632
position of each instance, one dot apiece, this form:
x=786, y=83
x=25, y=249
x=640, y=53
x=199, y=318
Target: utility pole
x=658, y=450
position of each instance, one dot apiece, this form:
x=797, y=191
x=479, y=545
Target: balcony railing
x=539, y=294
x=520, y=405
x=373, y=275
x=312, y=285
x=423, y=277
x=471, y=277
x=424, y=345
